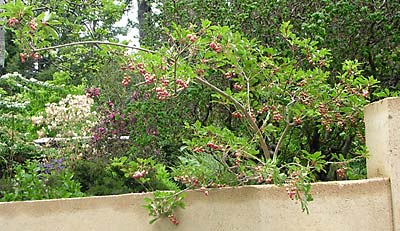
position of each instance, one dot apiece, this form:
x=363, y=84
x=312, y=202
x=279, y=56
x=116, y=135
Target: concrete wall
x=372, y=204
x=347, y=205
x=382, y=130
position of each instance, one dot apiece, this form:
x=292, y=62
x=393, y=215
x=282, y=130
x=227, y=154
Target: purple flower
x=111, y=115
x=96, y=138
x=93, y=92
x=110, y=104
x=53, y=165
x=101, y=130
x=134, y=96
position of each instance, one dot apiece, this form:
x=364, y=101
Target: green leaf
x=205, y=23
x=153, y=220
x=51, y=32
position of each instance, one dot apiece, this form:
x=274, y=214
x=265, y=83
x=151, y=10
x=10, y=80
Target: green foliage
x=13, y=147
x=298, y=184
x=362, y=30
x=20, y=99
x=30, y=95
x=45, y=23
x=277, y=93
x=253, y=102
x=146, y=174
x=274, y=91
x=17, y=13
x=204, y=170
x=157, y=127
x=31, y=182
x=217, y=139
x=97, y=179
x=163, y=204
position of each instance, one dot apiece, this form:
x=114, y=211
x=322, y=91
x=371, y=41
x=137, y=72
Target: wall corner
x=382, y=133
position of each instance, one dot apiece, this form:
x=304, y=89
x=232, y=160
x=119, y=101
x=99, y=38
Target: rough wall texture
x=349, y=205
x=382, y=129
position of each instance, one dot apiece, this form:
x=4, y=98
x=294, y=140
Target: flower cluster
x=33, y=25
x=72, y=116
x=181, y=83
x=53, y=165
x=13, y=102
x=93, y=92
x=162, y=94
x=237, y=87
x=139, y=174
x=113, y=122
x=12, y=22
x=126, y=80
x=187, y=180
x=216, y=47
x=18, y=81
x=192, y=37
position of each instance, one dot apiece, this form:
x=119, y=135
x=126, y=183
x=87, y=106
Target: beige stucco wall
x=382, y=129
x=347, y=205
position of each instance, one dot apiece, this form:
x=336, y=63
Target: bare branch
x=285, y=131
x=278, y=145
x=253, y=125
x=95, y=43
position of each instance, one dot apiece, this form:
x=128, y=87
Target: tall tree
x=72, y=21
x=366, y=30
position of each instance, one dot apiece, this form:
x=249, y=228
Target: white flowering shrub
x=15, y=81
x=71, y=117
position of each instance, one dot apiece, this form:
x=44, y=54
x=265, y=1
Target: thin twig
x=288, y=125
x=346, y=161
x=278, y=145
x=248, y=90
x=93, y=42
